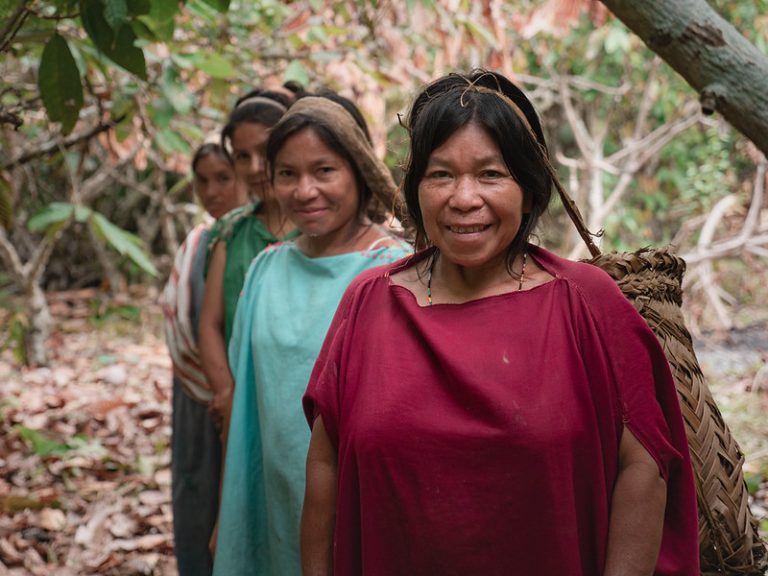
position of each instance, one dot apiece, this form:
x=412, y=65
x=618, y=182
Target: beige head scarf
x=385, y=196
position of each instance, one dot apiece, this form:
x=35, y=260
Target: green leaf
x=59, y=81
x=57, y=213
x=169, y=141
x=141, y=7
x=6, y=203
x=296, y=72
x=143, y=31
x=54, y=213
x=115, y=13
x=125, y=243
x=220, y=5
x=161, y=18
x=175, y=92
x=191, y=132
x=119, y=46
x=96, y=25
x=40, y=443
x=215, y=65
x=161, y=112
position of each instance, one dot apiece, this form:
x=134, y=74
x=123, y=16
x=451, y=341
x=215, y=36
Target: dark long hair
x=482, y=98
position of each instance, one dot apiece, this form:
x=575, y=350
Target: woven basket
x=728, y=537
x=729, y=543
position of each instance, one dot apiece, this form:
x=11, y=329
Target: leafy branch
x=14, y=24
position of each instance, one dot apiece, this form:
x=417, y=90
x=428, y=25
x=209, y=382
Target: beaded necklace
x=432, y=266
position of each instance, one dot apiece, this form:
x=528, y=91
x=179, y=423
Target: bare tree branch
x=746, y=239
x=653, y=142
x=10, y=257
x=646, y=101
x=581, y=134
x=51, y=147
x=96, y=183
x=35, y=266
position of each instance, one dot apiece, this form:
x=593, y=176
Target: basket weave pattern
x=728, y=536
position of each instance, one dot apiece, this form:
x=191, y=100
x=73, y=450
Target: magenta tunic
x=482, y=438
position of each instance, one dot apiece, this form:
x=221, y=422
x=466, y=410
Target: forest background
x=102, y=103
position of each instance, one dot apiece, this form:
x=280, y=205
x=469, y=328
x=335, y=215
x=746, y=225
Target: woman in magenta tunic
x=486, y=407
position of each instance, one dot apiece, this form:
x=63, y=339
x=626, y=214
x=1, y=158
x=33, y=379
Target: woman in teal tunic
x=330, y=183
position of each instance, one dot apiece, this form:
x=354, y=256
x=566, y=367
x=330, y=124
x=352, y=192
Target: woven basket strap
x=573, y=213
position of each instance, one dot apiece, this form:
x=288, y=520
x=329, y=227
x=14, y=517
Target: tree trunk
x=39, y=328
x=730, y=74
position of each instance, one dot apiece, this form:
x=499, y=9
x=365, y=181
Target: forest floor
x=84, y=444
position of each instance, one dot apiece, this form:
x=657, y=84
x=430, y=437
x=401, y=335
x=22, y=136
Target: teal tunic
x=286, y=307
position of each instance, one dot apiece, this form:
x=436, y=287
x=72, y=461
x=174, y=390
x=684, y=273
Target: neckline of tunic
x=293, y=247
x=533, y=251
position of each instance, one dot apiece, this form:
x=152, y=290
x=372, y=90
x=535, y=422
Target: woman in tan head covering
x=329, y=182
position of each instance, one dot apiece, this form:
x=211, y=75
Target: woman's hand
x=637, y=512
x=318, y=517
x=213, y=539
x=220, y=409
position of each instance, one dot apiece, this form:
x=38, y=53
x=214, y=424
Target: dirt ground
x=84, y=444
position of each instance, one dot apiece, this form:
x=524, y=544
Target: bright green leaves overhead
x=116, y=43
x=59, y=82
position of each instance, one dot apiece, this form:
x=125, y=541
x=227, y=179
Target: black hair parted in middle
x=209, y=149
x=493, y=103
x=255, y=112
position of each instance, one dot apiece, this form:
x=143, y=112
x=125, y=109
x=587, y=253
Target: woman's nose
x=257, y=164
x=305, y=188
x=465, y=196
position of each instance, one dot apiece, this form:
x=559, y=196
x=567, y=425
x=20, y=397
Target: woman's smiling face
x=316, y=186
x=471, y=206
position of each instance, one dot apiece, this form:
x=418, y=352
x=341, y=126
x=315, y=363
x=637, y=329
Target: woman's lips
x=468, y=228
x=310, y=212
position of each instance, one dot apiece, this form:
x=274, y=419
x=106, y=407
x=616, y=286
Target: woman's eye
x=438, y=174
x=326, y=169
x=284, y=173
x=492, y=174
x=241, y=156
